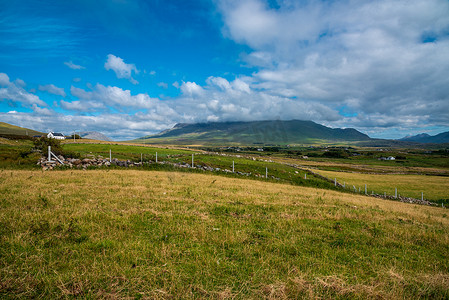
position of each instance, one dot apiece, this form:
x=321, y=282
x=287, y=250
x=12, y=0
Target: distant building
x=391, y=158
x=55, y=135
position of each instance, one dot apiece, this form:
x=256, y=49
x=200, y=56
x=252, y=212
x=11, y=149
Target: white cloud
x=370, y=58
x=73, y=66
x=82, y=106
x=52, y=89
x=4, y=79
x=121, y=69
x=15, y=92
x=163, y=85
x=42, y=111
x=191, y=88
x=20, y=82
x=115, y=97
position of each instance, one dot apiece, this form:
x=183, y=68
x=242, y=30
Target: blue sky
x=133, y=68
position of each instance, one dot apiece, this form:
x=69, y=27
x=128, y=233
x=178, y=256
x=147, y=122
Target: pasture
x=435, y=188
x=140, y=234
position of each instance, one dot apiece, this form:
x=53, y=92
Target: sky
x=130, y=68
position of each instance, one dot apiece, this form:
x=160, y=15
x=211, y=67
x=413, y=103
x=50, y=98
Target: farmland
x=435, y=187
x=131, y=233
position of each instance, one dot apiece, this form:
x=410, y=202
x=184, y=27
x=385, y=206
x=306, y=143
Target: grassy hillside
x=259, y=132
x=8, y=129
x=135, y=234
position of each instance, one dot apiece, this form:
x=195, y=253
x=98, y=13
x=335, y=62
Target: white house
x=55, y=135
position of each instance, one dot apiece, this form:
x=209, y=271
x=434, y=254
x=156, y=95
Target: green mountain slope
x=8, y=129
x=425, y=138
x=257, y=132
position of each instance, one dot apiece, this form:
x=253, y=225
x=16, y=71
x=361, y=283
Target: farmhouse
x=55, y=135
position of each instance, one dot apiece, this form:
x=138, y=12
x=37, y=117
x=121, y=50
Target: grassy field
x=434, y=187
x=438, y=166
x=140, y=234
x=123, y=151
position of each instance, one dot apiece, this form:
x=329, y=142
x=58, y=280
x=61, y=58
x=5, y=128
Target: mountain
x=8, y=129
x=93, y=135
x=256, y=132
x=425, y=138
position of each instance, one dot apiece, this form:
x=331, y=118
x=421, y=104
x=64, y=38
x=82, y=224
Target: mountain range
x=256, y=132
x=426, y=138
x=253, y=133
x=94, y=135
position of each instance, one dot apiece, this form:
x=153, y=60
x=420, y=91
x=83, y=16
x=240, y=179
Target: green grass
x=9, y=129
x=18, y=156
x=131, y=152
x=140, y=234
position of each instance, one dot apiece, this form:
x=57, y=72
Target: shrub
x=42, y=144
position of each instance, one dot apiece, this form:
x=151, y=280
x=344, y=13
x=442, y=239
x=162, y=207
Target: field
x=435, y=188
x=169, y=231
x=140, y=234
x=123, y=151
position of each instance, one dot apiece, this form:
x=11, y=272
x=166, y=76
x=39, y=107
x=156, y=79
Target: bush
x=42, y=144
x=336, y=154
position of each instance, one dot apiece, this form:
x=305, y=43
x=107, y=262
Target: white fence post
x=305, y=175
x=266, y=172
x=366, y=192
x=110, y=155
x=335, y=181
x=232, y=166
x=49, y=153
x=156, y=156
x=192, y=160
x=396, y=193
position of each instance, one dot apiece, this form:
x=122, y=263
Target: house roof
x=56, y=134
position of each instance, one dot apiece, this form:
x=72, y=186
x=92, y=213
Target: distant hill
x=94, y=135
x=8, y=129
x=257, y=132
x=425, y=138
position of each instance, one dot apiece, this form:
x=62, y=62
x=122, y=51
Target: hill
x=257, y=132
x=94, y=135
x=8, y=129
x=426, y=138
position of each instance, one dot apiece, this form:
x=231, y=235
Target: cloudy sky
x=130, y=68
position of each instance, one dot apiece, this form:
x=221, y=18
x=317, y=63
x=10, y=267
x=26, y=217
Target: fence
x=234, y=170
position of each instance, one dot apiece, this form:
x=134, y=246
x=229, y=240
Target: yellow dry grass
x=364, y=168
x=433, y=187
x=183, y=235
